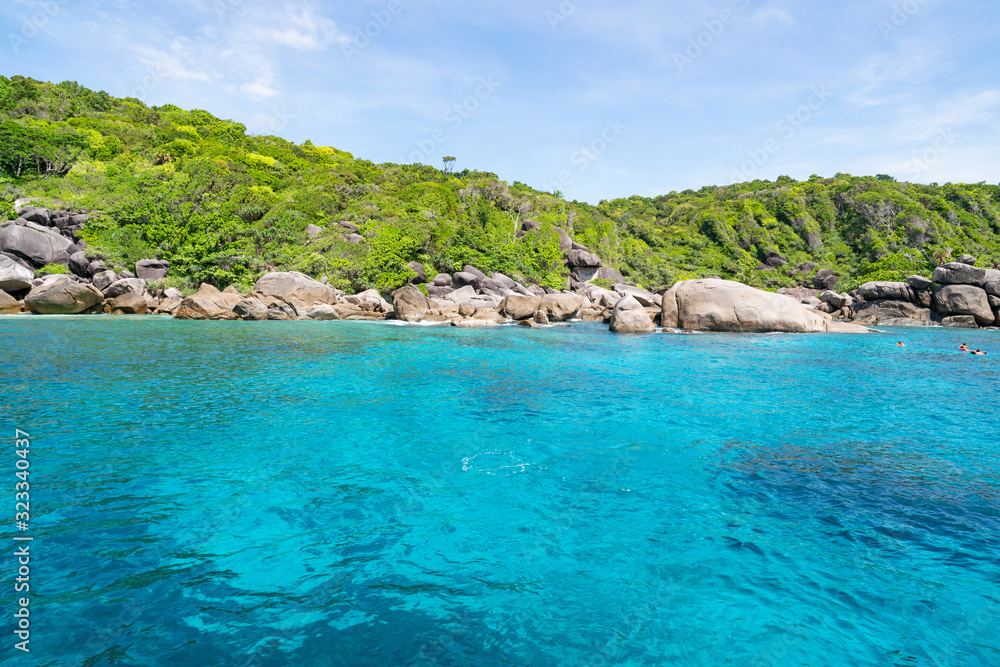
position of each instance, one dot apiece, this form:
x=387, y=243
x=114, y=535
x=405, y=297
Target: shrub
x=51, y=269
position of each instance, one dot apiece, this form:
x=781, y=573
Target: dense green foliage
x=224, y=206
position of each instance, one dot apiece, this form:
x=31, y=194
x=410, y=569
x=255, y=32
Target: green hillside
x=224, y=206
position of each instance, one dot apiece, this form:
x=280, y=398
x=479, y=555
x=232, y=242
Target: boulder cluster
x=40, y=237
x=959, y=294
x=283, y=296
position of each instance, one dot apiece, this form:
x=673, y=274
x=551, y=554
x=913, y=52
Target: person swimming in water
x=965, y=347
x=979, y=352
x=900, y=344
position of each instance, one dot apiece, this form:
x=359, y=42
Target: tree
x=37, y=150
x=885, y=177
x=449, y=164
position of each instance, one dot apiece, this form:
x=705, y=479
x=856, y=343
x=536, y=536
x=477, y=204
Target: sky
x=593, y=98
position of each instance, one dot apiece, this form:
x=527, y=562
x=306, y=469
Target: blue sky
x=594, y=98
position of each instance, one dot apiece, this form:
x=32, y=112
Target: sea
x=275, y=494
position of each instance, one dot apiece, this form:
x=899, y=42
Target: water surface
x=306, y=493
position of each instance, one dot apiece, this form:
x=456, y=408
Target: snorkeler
x=979, y=352
x=965, y=347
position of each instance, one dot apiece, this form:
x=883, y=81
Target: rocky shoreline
x=958, y=294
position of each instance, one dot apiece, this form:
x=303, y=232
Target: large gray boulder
x=504, y=280
x=250, y=309
x=565, y=242
x=836, y=301
x=468, y=268
x=800, y=294
x=645, y=298
x=560, y=307
x=298, y=286
x=877, y=291
x=208, y=303
x=418, y=268
x=61, y=295
x=465, y=278
x=992, y=286
x=96, y=267
x=129, y=303
x=78, y=264
x=40, y=216
x=13, y=276
x=119, y=287
x=410, y=304
x=919, y=282
x=967, y=259
x=494, y=288
x=601, y=297
x=608, y=273
x=825, y=279
x=322, y=313
x=520, y=307
x=440, y=292
x=723, y=305
x=36, y=246
x=104, y=279
x=964, y=300
x=894, y=312
x=442, y=280
x=581, y=258
x=8, y=304
x=775, y=260
x=630, y=316
x=461, y=295
x=152, y=269
x=957, y=273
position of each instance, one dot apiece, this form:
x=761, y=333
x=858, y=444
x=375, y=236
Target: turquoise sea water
x=300, y=493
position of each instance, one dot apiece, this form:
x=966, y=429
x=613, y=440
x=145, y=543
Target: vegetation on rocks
x=224, y=207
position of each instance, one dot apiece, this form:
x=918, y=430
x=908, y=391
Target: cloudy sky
x=597, y=99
